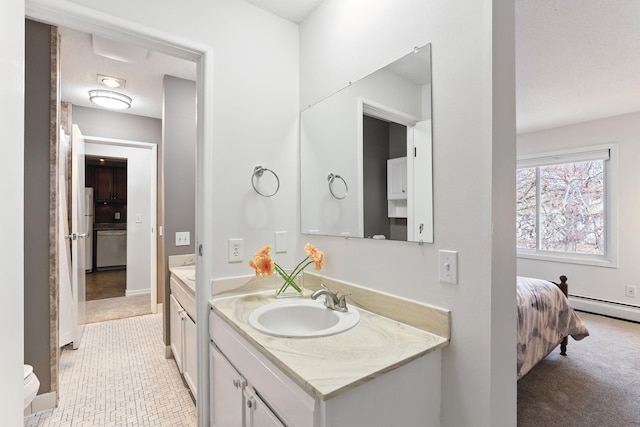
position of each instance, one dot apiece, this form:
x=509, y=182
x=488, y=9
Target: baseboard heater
x=604, y=307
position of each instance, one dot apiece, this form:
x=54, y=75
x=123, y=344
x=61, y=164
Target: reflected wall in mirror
x=365, y=156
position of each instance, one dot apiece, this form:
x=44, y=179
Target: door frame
x=74, y=16
x=153, y=204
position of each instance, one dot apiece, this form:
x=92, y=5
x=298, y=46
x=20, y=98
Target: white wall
x=255, y=114
x=117, y=125
x=12, y=190
x=474, y=159
x=598, y=282
x=139, y=193
x=248, y=115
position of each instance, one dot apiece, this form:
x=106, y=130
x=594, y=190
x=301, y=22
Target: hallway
x=119, y=377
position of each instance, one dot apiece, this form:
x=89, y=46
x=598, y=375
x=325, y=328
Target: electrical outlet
x=183, y=238
x=630, y=291
x=449, y=266
x=235, y=250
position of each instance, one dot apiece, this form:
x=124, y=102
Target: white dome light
x=110, y=99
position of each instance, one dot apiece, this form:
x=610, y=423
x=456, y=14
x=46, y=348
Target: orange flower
x=263, y=252
x=266, y=265
x=263, y=265
x=316, y=255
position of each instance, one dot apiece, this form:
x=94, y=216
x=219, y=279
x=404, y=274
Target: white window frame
x=596, y=152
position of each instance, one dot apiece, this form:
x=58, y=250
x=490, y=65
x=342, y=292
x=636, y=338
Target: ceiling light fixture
x=112, y=82
x=110, y=99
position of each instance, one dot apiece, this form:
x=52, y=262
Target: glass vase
x=289, y=291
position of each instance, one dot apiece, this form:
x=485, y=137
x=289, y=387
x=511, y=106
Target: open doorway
x=122, y=281
x=169, y=45
x=106, y=242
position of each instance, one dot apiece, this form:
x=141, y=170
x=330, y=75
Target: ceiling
x=576, y=60
x=80, y=66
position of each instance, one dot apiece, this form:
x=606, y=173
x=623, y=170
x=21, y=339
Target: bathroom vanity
x=380, y=372
x=182, y=315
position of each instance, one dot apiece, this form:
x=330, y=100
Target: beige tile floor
x=119, y=377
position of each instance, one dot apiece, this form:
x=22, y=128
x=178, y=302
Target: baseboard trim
x=129, y=293
x=606, y=308
x=167, y=352
x=41, y=402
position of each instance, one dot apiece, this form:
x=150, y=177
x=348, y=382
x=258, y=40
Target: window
x=564, y=206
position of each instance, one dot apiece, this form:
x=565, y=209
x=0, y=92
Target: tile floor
x=119, y=377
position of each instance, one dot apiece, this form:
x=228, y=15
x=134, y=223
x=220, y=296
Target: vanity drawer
x=289, y=401
x=184, y=297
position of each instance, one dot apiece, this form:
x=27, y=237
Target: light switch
x=183, y=238
x=138, y=217
x=449, y=266
x=281, y=242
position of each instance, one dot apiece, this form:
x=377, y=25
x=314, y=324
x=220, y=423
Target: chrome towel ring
x=258, y=171
x=332, y=177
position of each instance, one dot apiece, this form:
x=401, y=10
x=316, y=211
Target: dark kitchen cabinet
x=120, y=184
x=89, y=176
x=110, y=184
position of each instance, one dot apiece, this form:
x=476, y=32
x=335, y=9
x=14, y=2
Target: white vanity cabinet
x=234, y=402
x=183, y=331
x=272, y=396
x=227, y=395
x=257, y=413
x=176, y=315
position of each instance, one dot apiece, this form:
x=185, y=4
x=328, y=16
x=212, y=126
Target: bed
x=545, y=320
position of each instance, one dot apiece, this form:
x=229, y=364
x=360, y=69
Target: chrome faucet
x=331, y=300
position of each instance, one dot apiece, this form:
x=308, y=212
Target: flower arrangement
x=264, y=265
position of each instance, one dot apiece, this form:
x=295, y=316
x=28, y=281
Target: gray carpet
x=597, y=384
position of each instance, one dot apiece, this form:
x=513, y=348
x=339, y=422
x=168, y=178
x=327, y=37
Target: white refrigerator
x=88, y=226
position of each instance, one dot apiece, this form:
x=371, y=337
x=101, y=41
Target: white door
x=190, y=354
x=226, y=391
x=176, y=331
x=420, y=221
x=257, y=413
x=78, y=230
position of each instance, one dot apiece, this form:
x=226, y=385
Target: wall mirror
x=365, y=156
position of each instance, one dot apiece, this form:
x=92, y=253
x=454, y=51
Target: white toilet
x=31, y=385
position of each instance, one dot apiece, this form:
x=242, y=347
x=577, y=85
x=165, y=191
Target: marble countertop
x=187, y=274
x=328, y=366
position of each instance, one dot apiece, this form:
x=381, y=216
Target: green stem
x=298, y=269
x=287, y=279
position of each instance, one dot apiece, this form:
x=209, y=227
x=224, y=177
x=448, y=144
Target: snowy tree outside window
x=561, y=207
x=567, y=205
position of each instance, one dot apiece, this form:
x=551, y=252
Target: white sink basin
x=301, y=318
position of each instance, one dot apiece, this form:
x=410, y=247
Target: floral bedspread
x=544, y=319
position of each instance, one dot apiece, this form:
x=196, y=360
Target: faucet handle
x=342, y=302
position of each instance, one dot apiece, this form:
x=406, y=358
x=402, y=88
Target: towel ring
x=332, y=177
x=259, y=171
